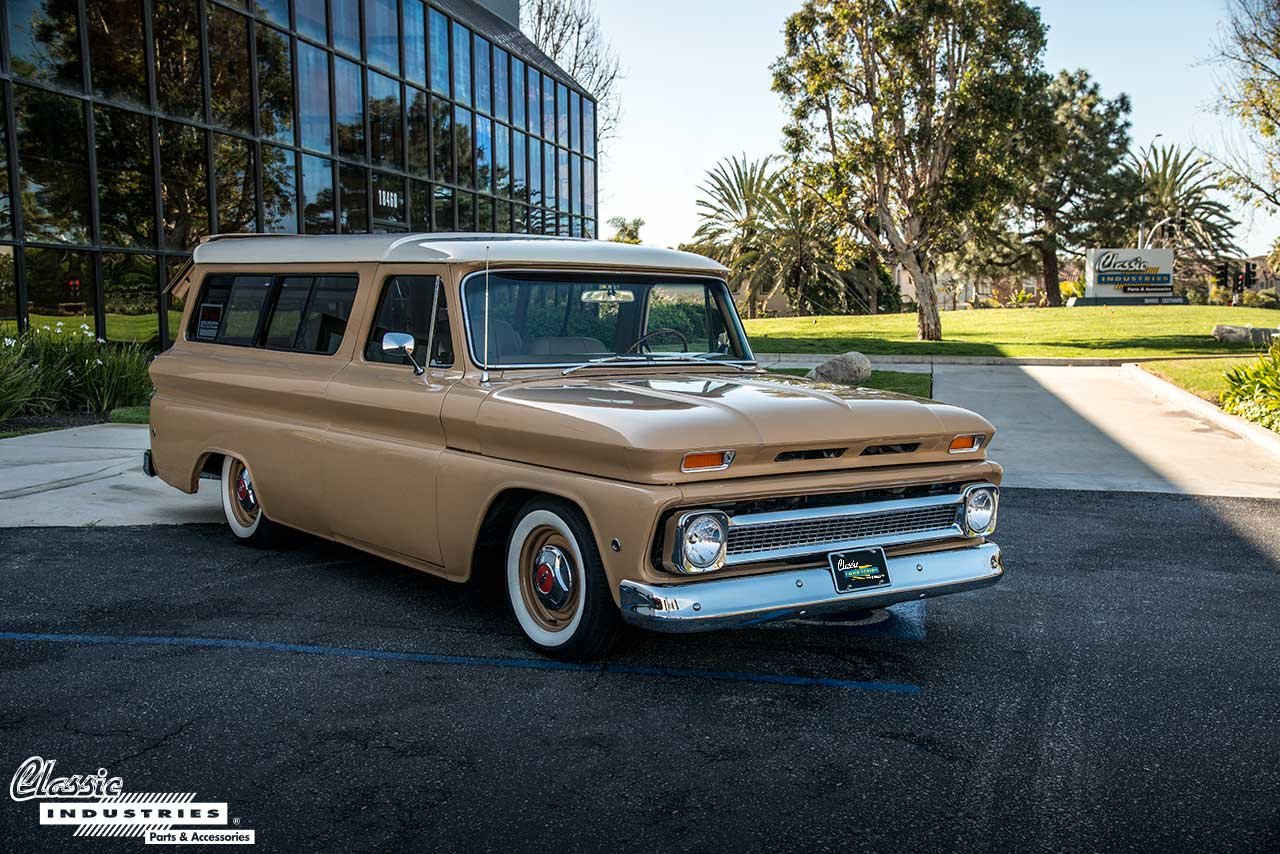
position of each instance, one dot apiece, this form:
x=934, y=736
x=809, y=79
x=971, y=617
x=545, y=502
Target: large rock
x=1224, y=334
x=849, y=368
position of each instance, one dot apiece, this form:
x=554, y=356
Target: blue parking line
x=463, y=660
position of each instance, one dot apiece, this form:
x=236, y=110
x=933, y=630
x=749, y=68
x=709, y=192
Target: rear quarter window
x=305, y=314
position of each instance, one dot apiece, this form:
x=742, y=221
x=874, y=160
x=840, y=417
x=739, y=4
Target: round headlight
x=980, y=511
x=704, y=540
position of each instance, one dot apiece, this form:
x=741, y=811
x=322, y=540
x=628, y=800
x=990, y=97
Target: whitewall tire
x=240, y=505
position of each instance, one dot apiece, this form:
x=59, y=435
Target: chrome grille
x=763, y=539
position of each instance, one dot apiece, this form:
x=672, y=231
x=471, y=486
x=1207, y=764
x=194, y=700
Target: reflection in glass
x=279, y=208
x=461, y=64
x=517, y=93
x=179, y=69
x=484, y=154
x=502, y=221
x=415, y=41
x=382, y=34
x=317, y=195
x=502, y=160
x=549, y=175
x=386, y=136
x=54, y=173
x=8, y=293
x=233, y=172
x=388, y=203
x=533, y=101
x=466, y=211
x=519, y=219
x=439, y=31
x=310, y=15
x=313, y=84
x=484, y=214
x=484, y=87
x=275, y=11
x=6, y=203
x=60, y=288
x=589, y=188
x=501, y=84
x=354, y=198
x=442, y=140
x=575, y=121
x=126, y=203
x=444, y=218
x=562, y=172
x=589, y=228
x=44, y=41
x=575, y=188
x=548, y=108
x=117, y=51
x=589, y=127
x=519, y=178
x=346, y=25
x=229, y=90
x=419, y=134
x=130, y=297
x=348, y=86
x=184, y=184
x=463, y=149
x=562, y=107
x=275, y=86
x=419, y=206
x=535, y=172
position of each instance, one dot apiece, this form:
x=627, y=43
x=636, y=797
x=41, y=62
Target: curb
x=1247, y=430
x=1044, y=361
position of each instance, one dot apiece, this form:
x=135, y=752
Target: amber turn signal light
x=706, y=460
x=971, y=442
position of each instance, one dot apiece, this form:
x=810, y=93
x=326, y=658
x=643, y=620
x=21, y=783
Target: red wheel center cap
x=543, y=578
x=242, y=491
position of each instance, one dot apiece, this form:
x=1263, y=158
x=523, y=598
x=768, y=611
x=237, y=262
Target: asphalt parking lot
x=1118, y=691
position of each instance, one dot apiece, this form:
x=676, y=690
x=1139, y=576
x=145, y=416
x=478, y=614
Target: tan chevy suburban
x=584, y=417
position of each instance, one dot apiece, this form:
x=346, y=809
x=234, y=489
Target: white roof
x=441, y=248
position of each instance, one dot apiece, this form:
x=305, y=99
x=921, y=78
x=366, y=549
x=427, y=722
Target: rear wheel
x=240, y=505
x=557, y=584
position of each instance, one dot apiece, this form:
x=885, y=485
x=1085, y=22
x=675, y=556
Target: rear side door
x=385, y=437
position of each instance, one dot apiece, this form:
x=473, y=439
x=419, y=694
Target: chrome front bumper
x=728, y=602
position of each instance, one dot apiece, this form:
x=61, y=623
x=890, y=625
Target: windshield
x=538, y=318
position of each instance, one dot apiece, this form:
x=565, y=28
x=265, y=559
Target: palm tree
x=626, y=230
x=733, y=211
x=1178, y=209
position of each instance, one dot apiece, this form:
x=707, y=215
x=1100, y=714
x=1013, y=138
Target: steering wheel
x=684, y=342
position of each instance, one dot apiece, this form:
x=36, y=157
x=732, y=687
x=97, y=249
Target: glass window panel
x=575, y=227
x=563, y=229
x=234, y=183
x=348, y=85
x=439, y=31
x=130, y=297
x=237, y=303
x=562, y=173
x=276, y=11
x=415, y=41
x=562, y=113
x=549, y=175
x=501, y=84
x=279, y=191
x=461, y=64
x=533, y=101
x=313, y=85
x=419, y=132
x=463, y=147
x=519, y=176
x=517, y=93
x=484, y=214
x=502, y=160
x=575, y=121
x=389, y=209
x=310, y=15
x=179, y=69
x=444, y=219
x=466, y=211
x=230, y=94
x=502, y=217
x=484, y=154
x=117, y=51
x=484, y=85
x=589, y=127
x=6, y=206
x=382, y=34
x=419, y=206
x=405, y=306
x=386, y=135
x=575, y=187
x=60, y=288
x=8, y=293
x=184, y=184
x=327, y=314
x=53, y=166
x=442, y=140
x=126, y=201
x=286, y=315
x=354, y=198
x=519, y=219
x=44, y=41
x=535, y=172
x=317, y=195
x=589, y=228
x=346, y=25
x=275, y=86
x=548, y=108
x=589, y=188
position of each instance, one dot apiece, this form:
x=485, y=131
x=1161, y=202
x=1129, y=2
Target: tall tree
x=626, y=230
x=1179, y=210
x=733, y=209
x=1075, y=151
x=1249, y=52
x=909, y=110
x=569, y=32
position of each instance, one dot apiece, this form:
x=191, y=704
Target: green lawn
x=1204, y=378
x=1094, y=331
x=903, y=382
x=120, y=327
x=130, y=415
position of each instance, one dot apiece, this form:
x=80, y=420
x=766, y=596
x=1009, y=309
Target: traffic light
x=1250, y=275
x=1222, y=276
x=1238, y=284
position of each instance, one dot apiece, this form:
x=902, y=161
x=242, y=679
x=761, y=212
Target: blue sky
x=697, y=89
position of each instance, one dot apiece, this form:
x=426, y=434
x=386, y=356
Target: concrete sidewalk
x=92, y=475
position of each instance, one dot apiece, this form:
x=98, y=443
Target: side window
x=229, y=309
x=306, y=313
x=405, y=306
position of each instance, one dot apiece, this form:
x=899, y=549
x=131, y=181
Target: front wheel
x=240, y=505
x=557, y=584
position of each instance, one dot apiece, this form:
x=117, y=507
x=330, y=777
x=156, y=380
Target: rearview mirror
x=402, y=342
x=608, y=295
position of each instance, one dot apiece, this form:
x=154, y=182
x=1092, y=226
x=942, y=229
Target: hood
x=639, y=428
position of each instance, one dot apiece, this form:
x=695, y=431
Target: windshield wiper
x=701, y=358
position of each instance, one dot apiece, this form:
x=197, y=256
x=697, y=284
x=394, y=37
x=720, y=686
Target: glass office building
x=129, y=129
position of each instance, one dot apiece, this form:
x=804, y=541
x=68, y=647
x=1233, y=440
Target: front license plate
x=858, y=569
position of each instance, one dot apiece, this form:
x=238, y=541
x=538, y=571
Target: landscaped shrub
x=1253, y=390
x=1195, y=296
x=58, y=368
x=1219, y=296
x=1073, y=288
x=1260, y=299
x=19, y=383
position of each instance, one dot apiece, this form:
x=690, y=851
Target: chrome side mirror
x=402, y=342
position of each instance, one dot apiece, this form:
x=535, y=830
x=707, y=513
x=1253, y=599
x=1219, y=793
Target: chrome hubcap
x=552, y=578
x=244, y=493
